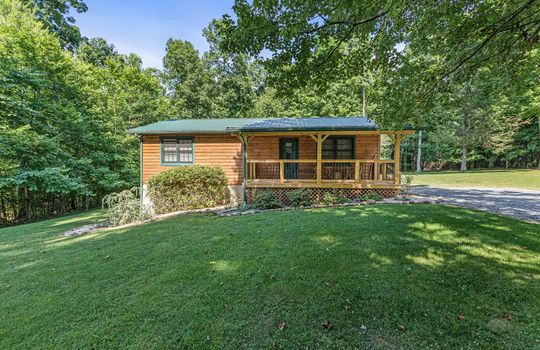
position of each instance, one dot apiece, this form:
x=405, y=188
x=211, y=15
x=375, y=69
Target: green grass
x=526, y=179
x=200, y=281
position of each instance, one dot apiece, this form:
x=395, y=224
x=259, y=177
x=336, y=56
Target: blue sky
x=143, y=26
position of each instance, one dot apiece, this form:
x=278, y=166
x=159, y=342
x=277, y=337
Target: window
x=177, y=150
x=338, y=148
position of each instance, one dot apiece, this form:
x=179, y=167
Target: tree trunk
x=3, y=207
x=463, y=157
x=539, y=141
x=419, y=154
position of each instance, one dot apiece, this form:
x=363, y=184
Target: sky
x=144, y=26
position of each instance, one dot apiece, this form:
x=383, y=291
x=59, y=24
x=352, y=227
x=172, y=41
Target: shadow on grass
x=200, y=281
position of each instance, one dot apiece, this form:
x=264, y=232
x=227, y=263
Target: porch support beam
x=397, y=150
x=244, y=141
x=319, y=139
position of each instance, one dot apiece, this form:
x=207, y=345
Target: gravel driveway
x=519, y=203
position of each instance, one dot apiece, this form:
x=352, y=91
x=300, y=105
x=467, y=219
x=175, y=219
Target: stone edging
x=225, y=211
x=407, y=200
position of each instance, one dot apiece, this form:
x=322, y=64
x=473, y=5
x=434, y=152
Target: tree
x=189, y=84
x=54, y=14
x=321, y=41
x=63, y=143
x=96, y=51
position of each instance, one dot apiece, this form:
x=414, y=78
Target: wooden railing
x=327, y=170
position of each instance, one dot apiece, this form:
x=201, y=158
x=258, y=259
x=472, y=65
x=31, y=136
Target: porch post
x=244, y=156
x=397, y=161
x=319, y=158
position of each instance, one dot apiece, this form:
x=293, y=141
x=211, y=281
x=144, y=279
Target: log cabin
x=348, y=155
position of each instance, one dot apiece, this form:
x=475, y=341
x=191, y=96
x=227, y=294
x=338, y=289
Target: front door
x=288, y=149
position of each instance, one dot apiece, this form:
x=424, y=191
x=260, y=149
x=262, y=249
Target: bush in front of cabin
x=124, y=207
x=267, y=200
x=188, y=187
x=372, y=196
x=301, y=197
x=333, y=197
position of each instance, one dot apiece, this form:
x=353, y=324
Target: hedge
x=188, y=187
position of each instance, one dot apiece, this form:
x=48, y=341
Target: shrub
x=124, y=207
x=406, y=184
x=341, y=200
x=188, y=187
x=372, y=196
x=300, y=198
x=328, y=198
x=333, y=198
x=267, y=200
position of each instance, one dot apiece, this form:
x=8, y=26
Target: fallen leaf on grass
x=274, y=344
x=327, y=325
x=402, y=328
x=107, y=257
x=507, y=317
x=460, y=317
x=282, y=325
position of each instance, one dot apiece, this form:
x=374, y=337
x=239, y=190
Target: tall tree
x=233, y=75
x=188, y=82
x=96, y=51
x=55, y=14
x=309, y=40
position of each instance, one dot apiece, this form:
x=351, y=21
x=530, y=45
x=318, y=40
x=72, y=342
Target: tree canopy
x=466, y=71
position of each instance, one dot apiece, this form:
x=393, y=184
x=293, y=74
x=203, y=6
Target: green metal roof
x=194, y=126
x=198, y=126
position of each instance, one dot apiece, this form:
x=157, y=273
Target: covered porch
x=325, y=159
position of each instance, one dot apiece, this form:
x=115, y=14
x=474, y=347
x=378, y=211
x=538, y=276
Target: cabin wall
x=222, y=151
x=225, y=151
x=267, y=147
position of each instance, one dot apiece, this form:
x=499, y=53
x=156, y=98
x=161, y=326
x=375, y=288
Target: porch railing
x=331, y=170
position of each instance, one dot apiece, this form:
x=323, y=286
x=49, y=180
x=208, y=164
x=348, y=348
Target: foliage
x=55, y=15
x=188, y=187
x=63, y=144
x=406, y=183
x=333, y=198
x=329, y=39
x=124, y=207
x=218, y=85
x=301, y=197
x=267, y=200
x=328, y=198
x=66, y=101
x=177, y=275
x=372, y=196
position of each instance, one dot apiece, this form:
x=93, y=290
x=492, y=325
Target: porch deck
x=327, y=173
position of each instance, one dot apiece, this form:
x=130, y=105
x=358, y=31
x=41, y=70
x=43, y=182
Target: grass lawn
x=522, y=178
x=385, y=277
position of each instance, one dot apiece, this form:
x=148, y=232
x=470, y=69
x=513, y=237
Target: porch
x=324, y=160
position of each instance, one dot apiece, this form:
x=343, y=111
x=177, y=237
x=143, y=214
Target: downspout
x=244, y=146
